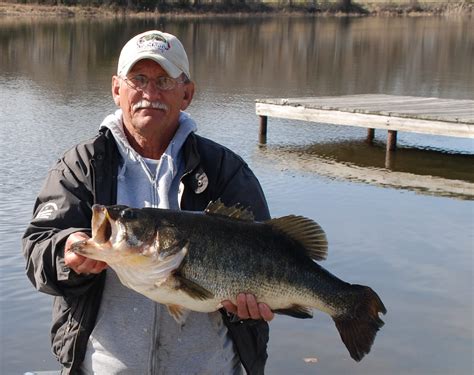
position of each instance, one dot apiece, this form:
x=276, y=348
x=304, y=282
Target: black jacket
x=87, y=174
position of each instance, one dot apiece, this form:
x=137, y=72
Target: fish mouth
x=107, y=234
x=104, y=231
x=81, y=247
x=101, y=224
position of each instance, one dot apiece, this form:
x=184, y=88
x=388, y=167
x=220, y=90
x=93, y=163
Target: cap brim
x=168, y=66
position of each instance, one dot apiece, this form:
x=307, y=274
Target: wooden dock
x=446, y=117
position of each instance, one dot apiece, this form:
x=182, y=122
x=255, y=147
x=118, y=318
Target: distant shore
x=326, y=9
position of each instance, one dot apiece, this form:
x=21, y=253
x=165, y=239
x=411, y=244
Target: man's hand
x=248, y=308
x=79, y=263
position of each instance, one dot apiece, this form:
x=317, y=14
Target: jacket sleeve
x=63, y=206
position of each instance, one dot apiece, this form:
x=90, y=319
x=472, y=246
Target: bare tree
x=346, y=4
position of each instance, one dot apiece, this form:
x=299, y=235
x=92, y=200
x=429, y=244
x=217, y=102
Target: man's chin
x=149, y=114
x=146, y=119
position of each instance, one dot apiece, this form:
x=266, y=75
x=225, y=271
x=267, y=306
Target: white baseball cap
x=163, y=48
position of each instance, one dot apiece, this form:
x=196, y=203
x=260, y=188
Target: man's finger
x=73, y=260
x=74, y=237
x=85, y=267
x=229, y=307
x=242, y=310
x=98, y=267
x=252, y=306
x=265, y=312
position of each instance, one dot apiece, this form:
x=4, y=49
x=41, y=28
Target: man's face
x=140, y=119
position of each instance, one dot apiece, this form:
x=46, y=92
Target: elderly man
x=145, y=154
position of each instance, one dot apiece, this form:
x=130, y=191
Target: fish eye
x=129, y=214
x=115, y=212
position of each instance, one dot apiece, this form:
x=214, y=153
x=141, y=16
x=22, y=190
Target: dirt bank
x=38, y=10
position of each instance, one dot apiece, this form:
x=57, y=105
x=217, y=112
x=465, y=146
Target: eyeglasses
x=140, y=82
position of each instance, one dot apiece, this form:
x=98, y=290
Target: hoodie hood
x=114, y=122
x=159, y=173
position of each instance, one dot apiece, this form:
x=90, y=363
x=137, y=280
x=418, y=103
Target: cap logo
x=153, y=42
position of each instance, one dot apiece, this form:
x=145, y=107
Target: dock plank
x=427, y=115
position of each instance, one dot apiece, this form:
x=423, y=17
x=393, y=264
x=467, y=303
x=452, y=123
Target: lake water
x=405, y=231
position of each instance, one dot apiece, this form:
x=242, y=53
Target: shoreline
x=328, y=10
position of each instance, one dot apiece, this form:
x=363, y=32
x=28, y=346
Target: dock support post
x=370, y=135
x=263, y=129
x=391, y=146
x=392, y=140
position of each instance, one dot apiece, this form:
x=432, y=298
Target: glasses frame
x=175, y=81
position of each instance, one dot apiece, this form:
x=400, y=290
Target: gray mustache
x=147, y=104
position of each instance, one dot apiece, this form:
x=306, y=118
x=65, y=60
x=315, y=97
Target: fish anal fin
x=306, y=232
x=296, y=311
x=359, y=326
x=179, y=313
x=235, y=212
x=191, y=288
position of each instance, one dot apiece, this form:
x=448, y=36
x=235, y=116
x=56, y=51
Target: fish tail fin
x=359, y=325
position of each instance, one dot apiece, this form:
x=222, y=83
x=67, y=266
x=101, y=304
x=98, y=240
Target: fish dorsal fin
x=236, y=211
x=305, y=231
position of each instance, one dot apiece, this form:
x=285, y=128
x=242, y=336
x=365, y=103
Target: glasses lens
x=139, y=81
x=165, y=83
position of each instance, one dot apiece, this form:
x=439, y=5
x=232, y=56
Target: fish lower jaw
x=88, y=253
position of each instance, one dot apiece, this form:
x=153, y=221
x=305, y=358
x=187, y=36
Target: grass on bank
x=186, y=9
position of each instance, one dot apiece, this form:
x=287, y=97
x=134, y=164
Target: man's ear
x=188, y=95
x=116, y=90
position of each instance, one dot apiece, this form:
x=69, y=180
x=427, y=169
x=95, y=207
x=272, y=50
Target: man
x=146, y=154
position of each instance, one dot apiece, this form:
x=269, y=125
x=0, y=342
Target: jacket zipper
x=154, y=337
x=93, y=173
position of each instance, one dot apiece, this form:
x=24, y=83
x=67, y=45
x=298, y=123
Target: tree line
x=219, y=5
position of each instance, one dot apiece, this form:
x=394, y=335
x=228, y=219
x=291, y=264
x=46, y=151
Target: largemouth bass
x=195, y=260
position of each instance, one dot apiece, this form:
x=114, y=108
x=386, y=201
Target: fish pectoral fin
x=179, y=313
x=189, y=287
x=305, y=231
x=296, y=311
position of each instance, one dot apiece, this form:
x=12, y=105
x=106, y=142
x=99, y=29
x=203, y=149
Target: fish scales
x=247, y=263
x=194, y=261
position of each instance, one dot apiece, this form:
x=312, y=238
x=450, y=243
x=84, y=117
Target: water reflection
x=425, y=171
x=301, y=56
x=55, y=91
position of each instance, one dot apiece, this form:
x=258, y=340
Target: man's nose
x=152, y=89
